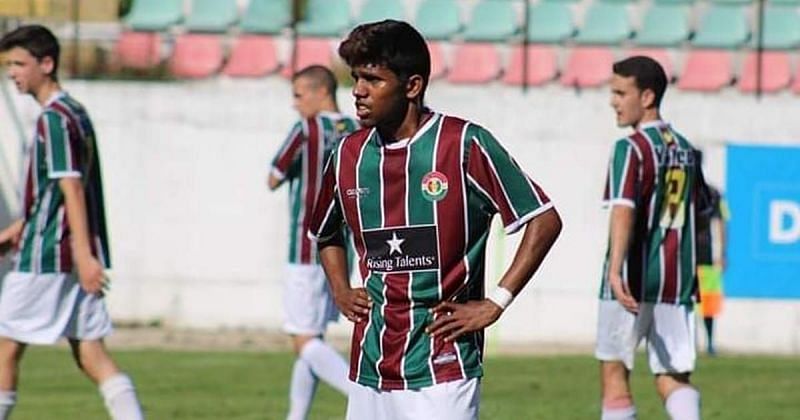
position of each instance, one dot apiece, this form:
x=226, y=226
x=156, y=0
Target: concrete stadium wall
x=198, y=241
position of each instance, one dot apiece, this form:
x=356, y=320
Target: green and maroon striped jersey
x=420, y=212
x=655, y=171
x=300, y=161
x=64, y=146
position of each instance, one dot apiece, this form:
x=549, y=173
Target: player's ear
x=648, y=98
x=414, y=87
x=47, y=64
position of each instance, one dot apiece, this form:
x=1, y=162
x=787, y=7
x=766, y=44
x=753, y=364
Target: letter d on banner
x=779, y=232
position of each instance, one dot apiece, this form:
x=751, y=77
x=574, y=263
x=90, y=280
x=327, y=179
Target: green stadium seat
x=211, y=15
x=776, y=72
x=687, y=2
x=491, y=21
x=438, y=19
x=605, y=24
x=375, y=10
x=266, y=16
x=781, y=28
x=550, y=22
x=154, y=15
x=736, y=2
x=794, y=3
x=664, y=25
x=722, y=27
x=325, y=18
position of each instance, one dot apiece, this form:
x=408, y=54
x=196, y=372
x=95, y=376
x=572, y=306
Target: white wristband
x=501, y=297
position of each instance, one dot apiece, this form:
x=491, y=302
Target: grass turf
x=247, y=385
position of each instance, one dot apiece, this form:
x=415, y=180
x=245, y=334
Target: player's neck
x=414, y=118
x=650, y=115
x=46, y=91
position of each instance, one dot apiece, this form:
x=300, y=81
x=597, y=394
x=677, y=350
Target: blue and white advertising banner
x=763, y=191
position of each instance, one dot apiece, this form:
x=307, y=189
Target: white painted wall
x=198, y=241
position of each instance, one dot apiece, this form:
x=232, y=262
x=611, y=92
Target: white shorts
x=669, y=329
x=41, y=308
x=456, y=400
x=308, y=303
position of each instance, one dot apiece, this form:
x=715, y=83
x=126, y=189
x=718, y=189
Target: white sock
x=301, y=390
x=625, y=413
x=683, y=404
x=8, y=399
x=327, y=364
x=120, y=398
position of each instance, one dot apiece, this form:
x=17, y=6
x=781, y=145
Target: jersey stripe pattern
x=300, y=162
x=64, y=146
x=420, y=215
x=656, y=172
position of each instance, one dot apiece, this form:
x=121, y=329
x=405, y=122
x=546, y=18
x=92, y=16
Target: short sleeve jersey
x=655, y=171
x=64, y=146
x=300, y=161
x=420, y=216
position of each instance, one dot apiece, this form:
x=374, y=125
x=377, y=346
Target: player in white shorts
x=59, y=244
x=307, y=302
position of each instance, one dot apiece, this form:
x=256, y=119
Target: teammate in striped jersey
x=56, y=287
x=418, y=189
x=649, y=284
x=308, y=304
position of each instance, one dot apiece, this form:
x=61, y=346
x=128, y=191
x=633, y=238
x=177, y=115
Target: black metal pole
x=760, y=50
x=526, y=10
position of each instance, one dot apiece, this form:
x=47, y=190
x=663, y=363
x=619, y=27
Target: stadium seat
x=542, y=66
x=796, y=84
x=211, y=15
x=588, y=67
x=266, y=16
x=438, y=19
x=252, y=56
x=781, y=28
x=706, y=70
x=722, y=27
x=154, y=15
x=658, y=54
x=196, y=56
x=138, y=50
x=794, y=3
x=685, y=2
x=15, y=8
x=736, y=2
x=776, y=72
x=550, y=22
x=605, y=24
x=375, y=10
x=476, y=62
x=491, y=21
x=325, y=18
x=309, y=51
x=438, y=61
x=664, y=25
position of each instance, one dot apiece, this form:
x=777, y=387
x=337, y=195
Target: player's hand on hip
x=452, y=320
x=622, y=293
x=354, y=304
x=91, y=275
x=10, y=236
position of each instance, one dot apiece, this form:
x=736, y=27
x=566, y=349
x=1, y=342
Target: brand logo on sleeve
x=434, y=186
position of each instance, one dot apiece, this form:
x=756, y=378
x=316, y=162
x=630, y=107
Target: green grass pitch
x=249, y=385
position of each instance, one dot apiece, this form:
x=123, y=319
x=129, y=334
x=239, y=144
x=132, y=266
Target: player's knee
x=299, y=342
x=667, y=383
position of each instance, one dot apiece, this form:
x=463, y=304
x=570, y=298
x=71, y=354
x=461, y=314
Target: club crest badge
x=434, y=186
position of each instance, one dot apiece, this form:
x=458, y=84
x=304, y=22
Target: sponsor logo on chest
x=402, y=249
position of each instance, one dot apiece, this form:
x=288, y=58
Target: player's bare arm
x=9, y=237
x=273, y=182
x=622, y=219
x=455, y=319
x=353, y=303
x=90, y=271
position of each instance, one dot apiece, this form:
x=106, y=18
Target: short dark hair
x=320, y=75
x=391, y=43
x=647, y=73
x=37, y=40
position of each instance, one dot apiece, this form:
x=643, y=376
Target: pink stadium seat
x=309, y=51
x=776, y=72
x=658, y=54
x=252, y=56
x=438, y=62
x=706, y=70
x=475, y=62
x=588, y=67
x=796, y=85
x=542, y=66
x=196, y=56
x=138, y=50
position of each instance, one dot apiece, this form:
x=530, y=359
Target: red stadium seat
x=588, y=67
x=776, y=72
x=438, y=62
x=138, y=50
x=309, y=51
x=196, y=55
x=252, y=56
x=707, y=70
x=542, y=66
x=658, y=54
x=796, y=85
x=475, y=62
